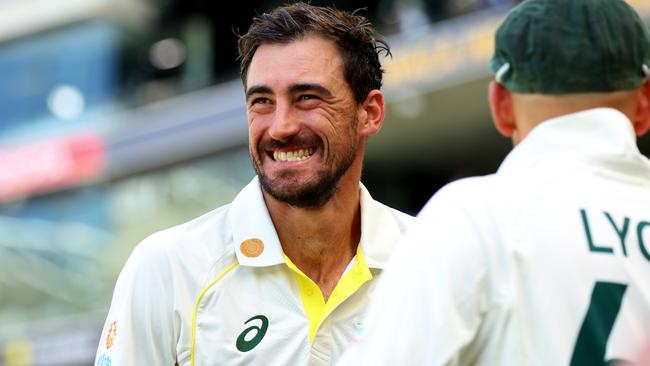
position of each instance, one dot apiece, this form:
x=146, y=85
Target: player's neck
x=321, y=242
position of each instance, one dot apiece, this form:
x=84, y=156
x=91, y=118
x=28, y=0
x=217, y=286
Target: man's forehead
x=311, y=60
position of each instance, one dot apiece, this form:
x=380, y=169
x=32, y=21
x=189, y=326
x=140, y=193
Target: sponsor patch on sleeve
x=110, y=336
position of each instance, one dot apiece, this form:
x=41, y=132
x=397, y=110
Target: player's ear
x=641, y=119
x=503, y=115
x=370, y=113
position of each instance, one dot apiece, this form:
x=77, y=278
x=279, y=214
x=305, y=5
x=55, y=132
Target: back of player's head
x=355, y=37
x=572, y=46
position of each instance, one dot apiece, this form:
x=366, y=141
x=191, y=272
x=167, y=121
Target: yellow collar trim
x=316, y=309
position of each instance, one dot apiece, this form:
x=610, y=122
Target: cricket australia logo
x=110, y=336
x=252, y=336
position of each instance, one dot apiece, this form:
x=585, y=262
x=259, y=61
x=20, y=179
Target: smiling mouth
x=296, y=155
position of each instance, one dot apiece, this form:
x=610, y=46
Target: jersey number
x=591, y=344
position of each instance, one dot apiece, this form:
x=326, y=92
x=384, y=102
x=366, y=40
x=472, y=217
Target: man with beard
x=283, y=274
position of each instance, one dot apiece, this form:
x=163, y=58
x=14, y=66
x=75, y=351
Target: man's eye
x=307, y=97
x=260, y=101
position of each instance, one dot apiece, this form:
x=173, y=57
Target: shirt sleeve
x=430, y=300
x=140, y=326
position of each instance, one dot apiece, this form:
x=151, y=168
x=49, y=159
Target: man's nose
x=285, y=122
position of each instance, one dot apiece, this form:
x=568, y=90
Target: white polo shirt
x=219, y=290
x=546, y=262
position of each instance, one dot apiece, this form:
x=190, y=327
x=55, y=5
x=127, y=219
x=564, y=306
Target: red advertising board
x=44, y=166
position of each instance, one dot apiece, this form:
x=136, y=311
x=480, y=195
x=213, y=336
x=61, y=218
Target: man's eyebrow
x=257, y=89
x=295, y=88
x=298, y=88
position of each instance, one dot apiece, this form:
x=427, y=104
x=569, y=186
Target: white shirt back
x=546, y=262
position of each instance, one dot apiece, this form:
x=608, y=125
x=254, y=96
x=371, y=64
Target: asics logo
x=252, y=336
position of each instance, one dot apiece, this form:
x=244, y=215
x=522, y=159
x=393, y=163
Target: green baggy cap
x=572, y=46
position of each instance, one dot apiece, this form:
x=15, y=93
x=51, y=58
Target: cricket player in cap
x=546, y=262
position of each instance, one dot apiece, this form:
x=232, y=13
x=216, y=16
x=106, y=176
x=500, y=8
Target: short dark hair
x=355, y=37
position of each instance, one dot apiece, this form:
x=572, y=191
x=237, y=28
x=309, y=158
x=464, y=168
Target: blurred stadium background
x=122, y=117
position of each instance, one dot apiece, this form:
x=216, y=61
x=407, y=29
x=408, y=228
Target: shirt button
x=309, y=292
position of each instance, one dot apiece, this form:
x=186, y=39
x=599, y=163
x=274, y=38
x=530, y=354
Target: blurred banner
x=49, y=165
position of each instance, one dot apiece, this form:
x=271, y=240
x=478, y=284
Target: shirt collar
x=380, y=231
x=596, y=136
x=250, y=219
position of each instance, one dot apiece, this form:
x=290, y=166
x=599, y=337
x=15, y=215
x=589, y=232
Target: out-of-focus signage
x=58, y=75
x=447, y=54
x=642, y=6
x=452, y=52
x=22, y=17
x=49, y=165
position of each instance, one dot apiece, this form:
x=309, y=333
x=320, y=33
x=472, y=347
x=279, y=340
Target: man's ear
x=503, y=115
x=371, y=113
x=641, y=121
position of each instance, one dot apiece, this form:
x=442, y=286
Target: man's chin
x=313, y=195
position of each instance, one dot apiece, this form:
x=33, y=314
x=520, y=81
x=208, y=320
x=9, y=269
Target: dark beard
x=310, y=196
x=313, y=194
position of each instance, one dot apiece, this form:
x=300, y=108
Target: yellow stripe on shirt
x=198, y=302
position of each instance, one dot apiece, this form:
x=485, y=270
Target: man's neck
x=322, y=241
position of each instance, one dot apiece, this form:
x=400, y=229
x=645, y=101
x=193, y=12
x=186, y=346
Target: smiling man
x=283, y=274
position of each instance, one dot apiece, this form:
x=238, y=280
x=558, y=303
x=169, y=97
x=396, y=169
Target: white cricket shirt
x=546, y=262
x=218, y=290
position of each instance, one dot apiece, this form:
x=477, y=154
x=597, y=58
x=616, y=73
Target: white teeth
x=301, y=154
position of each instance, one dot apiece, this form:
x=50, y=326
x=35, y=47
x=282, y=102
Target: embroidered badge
x=112, y=332
x=252, y=247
